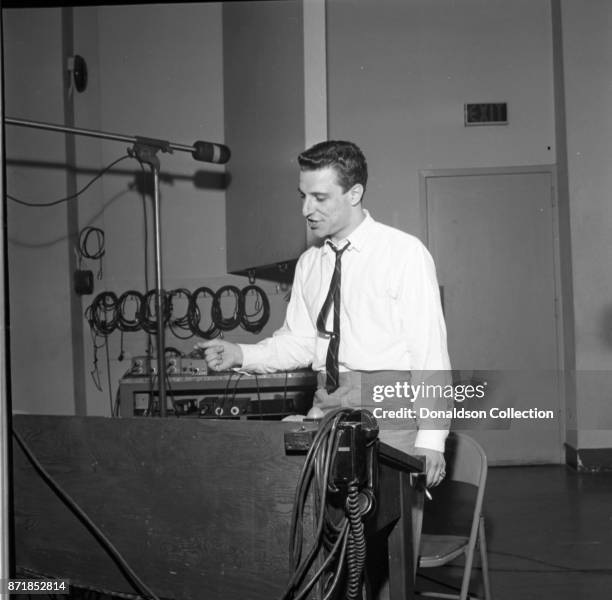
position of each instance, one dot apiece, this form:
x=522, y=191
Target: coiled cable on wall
x=102, y=313
x=226, y=323
x=195, y=314
x=125, y=323
x=148, y=312
x=85, y=249
x=133, y=311
x=180, y=324
x=102, y=316
x=256, y=321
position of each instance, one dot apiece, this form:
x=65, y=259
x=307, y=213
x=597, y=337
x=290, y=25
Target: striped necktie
x=333, y=297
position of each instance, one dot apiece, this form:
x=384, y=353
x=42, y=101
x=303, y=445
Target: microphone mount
x=145, y=151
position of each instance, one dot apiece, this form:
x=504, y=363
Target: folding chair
x=453, y=524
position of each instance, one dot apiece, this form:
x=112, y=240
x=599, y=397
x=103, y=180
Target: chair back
x=457, y=502
x=465, y=460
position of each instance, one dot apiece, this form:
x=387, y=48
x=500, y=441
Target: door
x=492, y=238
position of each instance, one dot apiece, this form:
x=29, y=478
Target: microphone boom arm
x=163, y=145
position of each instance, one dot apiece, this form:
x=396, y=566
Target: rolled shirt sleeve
x=425, y=330
x=290, y=347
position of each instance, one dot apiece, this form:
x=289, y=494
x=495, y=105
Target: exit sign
x=486, y=113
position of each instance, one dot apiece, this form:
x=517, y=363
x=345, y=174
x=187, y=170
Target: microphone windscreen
x=209, y=152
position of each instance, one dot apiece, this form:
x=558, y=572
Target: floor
x=549, y=533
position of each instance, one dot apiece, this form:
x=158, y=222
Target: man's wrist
x=240, y=352
x=432, y=439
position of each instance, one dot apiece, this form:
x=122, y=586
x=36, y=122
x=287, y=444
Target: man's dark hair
x=345, y=157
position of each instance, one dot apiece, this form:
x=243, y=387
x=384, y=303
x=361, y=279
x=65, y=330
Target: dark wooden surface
x=199, y=508
x=195, y=506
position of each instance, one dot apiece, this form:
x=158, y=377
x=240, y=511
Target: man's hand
x=435, y=465
x=221, y=355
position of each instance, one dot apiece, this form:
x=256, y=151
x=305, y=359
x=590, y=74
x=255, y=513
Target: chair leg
x=484, y=560
x=467, y=574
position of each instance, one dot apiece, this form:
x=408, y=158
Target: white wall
x=400, y=71
x=587, y=55
x=39, y=284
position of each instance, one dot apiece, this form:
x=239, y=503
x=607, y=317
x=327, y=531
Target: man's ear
x=356, y=194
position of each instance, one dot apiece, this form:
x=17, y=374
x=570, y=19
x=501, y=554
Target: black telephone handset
x=355, y=457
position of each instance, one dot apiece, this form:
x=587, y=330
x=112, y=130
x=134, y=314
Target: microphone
x=209, y=152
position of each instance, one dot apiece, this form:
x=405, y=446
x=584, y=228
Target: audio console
x=226, y=395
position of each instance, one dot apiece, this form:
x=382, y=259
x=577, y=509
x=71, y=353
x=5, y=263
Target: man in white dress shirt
x=390, y=317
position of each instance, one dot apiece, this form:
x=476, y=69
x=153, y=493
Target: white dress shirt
x=390, y=315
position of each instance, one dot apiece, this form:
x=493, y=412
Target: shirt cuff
x=432, y=439
x=249, y=356
x=255, y=358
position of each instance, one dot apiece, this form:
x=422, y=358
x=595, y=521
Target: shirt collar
x=358, y=237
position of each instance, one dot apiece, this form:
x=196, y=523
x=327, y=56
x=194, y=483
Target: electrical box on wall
x=486, y=113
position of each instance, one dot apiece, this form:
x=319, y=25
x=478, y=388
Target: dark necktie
x=333, y=297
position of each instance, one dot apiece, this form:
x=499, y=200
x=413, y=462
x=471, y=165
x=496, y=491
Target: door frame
x=551, y=170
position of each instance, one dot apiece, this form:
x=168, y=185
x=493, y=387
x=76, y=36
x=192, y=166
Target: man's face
x=328, y=210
